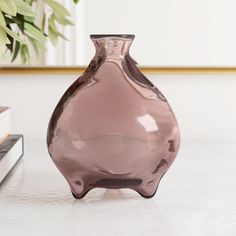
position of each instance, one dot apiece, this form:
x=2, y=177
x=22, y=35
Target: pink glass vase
x=113, y=128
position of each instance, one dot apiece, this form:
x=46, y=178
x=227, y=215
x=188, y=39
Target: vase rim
x=127, y=36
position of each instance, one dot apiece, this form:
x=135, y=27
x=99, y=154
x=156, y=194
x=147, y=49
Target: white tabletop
x=197, y=196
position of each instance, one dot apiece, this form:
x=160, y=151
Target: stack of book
x=11, y=145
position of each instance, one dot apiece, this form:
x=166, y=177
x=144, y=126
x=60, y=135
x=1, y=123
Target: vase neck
x=112, y=46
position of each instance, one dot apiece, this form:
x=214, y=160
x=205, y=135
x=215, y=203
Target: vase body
x=113, y=128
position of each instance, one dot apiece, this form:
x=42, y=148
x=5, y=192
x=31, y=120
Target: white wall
x=170, y=32
x=205, y=105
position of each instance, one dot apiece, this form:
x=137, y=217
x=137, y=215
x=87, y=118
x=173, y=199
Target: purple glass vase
x=113, y=128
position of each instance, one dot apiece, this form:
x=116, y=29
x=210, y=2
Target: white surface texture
x=196, y=197
x=205, y=105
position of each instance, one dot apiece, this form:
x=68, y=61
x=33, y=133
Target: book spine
x=13, y=154
x=4, y=124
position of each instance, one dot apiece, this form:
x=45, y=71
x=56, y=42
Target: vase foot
x=149, y=191
x=81, y=195
x=147, y=195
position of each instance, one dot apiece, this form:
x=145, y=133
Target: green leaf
x=19, y=20
x=8, y=6
x=16, y=51
x=36, y=45
x=53, y=32
x=34, y=32
x=3, y=40
x=10, y=44
x=51, y=23
x=53, y=36
x=58, y=8
x=33, y=42
x=30, y=19
x=24, y=52
x=13, y=35
x=62, y=36
x=2, y=20
x=63, y=20
x=20, y=12
x=23, y=8
x=8, y=41
x=43, y=23
x=29, y=1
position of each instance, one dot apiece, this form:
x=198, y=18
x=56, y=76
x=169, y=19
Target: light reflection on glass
x=148, y=123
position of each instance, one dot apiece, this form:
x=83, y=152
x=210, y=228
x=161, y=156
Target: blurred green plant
x=19, y=30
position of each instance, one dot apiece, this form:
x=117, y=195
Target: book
x=11, y=151
x=4, y=123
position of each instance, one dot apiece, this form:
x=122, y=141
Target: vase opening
x=112, y=45
x=124, y=36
